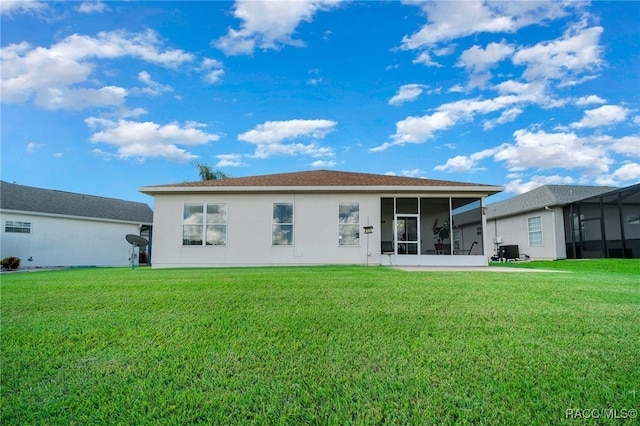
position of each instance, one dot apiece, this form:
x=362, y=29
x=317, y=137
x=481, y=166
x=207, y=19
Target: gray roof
x=544, y=196
x=38, y=200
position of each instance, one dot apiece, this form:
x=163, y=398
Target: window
x=204, y=229
x=282, y=227
x=456, y=240
x=18, y=227
x=535, y=231
x=349, y=224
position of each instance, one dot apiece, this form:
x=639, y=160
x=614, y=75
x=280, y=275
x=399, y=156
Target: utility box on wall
x=509, y=252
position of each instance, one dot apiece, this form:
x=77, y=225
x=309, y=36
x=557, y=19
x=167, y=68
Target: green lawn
x=321, y=345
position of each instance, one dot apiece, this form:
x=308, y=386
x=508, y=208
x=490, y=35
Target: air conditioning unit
x=497, y=240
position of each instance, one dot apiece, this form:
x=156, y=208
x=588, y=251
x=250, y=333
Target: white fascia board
x=455, y=190
x=65, y=216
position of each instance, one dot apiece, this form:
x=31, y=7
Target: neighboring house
x=318, y=217
x=539, y=222
x=48, y=228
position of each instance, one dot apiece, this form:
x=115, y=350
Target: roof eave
x=547, y=207
x=76, y=217
x=472, y=189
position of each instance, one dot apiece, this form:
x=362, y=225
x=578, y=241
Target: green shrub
x=10, y=263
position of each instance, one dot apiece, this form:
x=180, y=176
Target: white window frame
x=343, y=225
x=536, y=237
x=17, y=227
x=205, y=225
x=276, y=224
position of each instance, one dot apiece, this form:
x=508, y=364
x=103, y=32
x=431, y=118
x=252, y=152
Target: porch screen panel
x=466, y=226
x=407, y=205
x=282, y=227
x=349, y=224
x=434, y=224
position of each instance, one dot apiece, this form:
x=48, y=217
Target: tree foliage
x=206, y=172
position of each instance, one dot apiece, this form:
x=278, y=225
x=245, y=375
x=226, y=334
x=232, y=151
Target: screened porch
x=432, y=231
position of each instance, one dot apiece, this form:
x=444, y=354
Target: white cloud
x=407, y=93
x=269, y=137
x=141, y=140
x=92, y=7
x=589, y=100
x=230, y=160
x=268, y=24
x=316, y=77
x=458, y=164
x=16, y=7
x=467, y=164
x=626, y=145
x=517, y=186
x=424, y=58
x=77, y=99
x=419, y=129
x=541, y=150
x=449, y=20
x=277, y=131
x=153, y=87
x=213, y=70
x=507, y=116
x=575, y=52
x=412, y=173
x=214, y=76
x=627, y=173
x=48, y=73
x=477, y=59
x=605, y=115
x=208, y=63
x=32, y=147
x=323, y=164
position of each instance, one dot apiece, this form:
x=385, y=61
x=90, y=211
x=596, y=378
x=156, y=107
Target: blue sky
x=105, y=97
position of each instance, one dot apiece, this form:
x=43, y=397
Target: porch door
x=407, y=234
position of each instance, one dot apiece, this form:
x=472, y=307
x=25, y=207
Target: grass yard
x=322, y=345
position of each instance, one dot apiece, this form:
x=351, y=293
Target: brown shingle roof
x=323, y=178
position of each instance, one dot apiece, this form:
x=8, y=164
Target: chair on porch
x=466, y=252
x=443, y=248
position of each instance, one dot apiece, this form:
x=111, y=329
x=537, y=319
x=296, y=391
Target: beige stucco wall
x=249, y=222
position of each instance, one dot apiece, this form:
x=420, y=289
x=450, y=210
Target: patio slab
x=470, y=269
